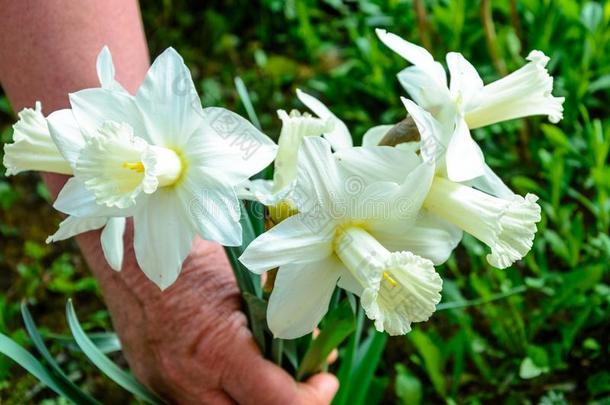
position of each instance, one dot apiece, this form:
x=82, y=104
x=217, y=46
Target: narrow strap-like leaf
x=107, y=342
x=25, y=359
x=480, y=301
x=107, y=366
x=367, y=360
x=340, y=324
x=245, y=99
x=73, y=392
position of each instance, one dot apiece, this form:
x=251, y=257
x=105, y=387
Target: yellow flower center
x=387, y=276
x=135, y=166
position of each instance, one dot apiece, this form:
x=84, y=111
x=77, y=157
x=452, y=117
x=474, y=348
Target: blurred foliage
x=549, y=344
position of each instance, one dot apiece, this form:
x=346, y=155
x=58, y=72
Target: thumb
x=320, y=388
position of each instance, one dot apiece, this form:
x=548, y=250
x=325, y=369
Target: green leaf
x=242, y=276
x=107, y=342
x=365, y=365
x=246, y=280
x=72, y=391
x=256, y=310
x=374, y=395
x=291, y=353
x=277, y=351
x=107, y=366
x=599, y=383
x=529, y=369
x=348, y=357
x=592, y=15
x=480, y=301
x=407, y=387
x=339, y=324
x=245, y=99
x=433, y=360
x=19, y=355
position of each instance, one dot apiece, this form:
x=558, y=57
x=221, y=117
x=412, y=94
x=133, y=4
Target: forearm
x=47, y=50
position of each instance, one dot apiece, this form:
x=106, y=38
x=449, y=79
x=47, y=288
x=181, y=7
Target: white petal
x=465, y=80
x=374, y=135
x=93, y=107
x=72, y=226
x=491, y=184
x=169, y=102
x=507, y=226
x=340, y=136
x=424, y=88
x=433, y=134
x=212, y=207
x=349, y=283
x=293, y=241
x=75, y=199
x=66, y=135
x=32, y=147
x=116, y=166
x=429, y=237
x=295, y=127
x=112, y=242
x=256, y=190
x=261, y=190
x=106, y=72
x=408, y=293
x=413, y=53
x=300, y=298
x=400, y=203
x=319, y=183
x=518, y=228
x=229, y=145
x=163, y=236
x=523, y=93
x=397, y=288
x=464, y=158
x=378, y=163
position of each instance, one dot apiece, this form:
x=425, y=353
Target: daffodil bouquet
x=373, y=220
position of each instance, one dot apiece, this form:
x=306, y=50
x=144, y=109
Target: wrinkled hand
x=191, y=343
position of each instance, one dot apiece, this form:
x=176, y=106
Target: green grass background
x=546, y=342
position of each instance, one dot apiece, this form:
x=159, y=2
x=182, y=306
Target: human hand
x=191, y=343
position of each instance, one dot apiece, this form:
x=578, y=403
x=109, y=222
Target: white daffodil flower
x=467, y=104
x=161, y=158
x=362, y=235
x=506, y=225
x=32, y=147
x=34, y=150
x=295, y=127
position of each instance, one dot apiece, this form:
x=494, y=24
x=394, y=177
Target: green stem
x=480, y=301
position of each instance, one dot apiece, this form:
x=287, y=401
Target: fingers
x=319, y=389
x=253, y=380
x=216, y=398
x=334, y=355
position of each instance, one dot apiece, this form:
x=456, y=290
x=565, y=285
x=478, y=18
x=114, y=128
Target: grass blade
x=25, y=359
x=367, y=360
x=107, y=366
x=71, y=390
x=245, y=99
x=107, y=342
x=347, y=358
x=480, y=301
